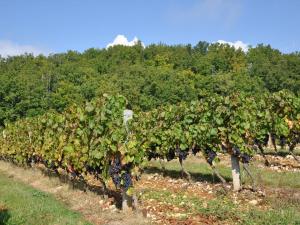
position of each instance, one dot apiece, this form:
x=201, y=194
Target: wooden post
x=235, y=169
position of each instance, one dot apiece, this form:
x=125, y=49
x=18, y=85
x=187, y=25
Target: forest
x=148, y=76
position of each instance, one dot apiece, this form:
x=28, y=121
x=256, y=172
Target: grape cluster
x=195, y=150
x=152, y=155
x=127, y=181
x=211, y=155
x=120, y=174
x=115, y=166
x=182, y=154
x=245, y=158
x=282, y=141
x=170, y=155
x=114, y=171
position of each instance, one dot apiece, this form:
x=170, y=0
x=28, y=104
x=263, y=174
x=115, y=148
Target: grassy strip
x=201, y=171
x=282, y=152
x=22, y=204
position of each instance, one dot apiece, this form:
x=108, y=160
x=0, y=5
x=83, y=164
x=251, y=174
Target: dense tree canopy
x=147, y=77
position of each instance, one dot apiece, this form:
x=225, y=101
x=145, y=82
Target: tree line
x=148, y=77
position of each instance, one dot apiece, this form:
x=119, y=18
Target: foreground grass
x=21, y=204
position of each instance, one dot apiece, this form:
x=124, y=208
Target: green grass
x=22, y=204
x=277, y=180
x=281, y=152
x=202, y=172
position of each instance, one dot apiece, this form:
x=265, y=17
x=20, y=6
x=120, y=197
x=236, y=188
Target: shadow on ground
x=82, y=185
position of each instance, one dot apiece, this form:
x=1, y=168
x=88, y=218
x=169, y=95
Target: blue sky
x=61, y=25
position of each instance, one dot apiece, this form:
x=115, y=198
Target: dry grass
x=89, y=204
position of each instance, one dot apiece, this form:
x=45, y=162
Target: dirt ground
x=163, y=199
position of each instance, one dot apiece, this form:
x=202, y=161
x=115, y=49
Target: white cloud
x=122, y=40
x=9, y=48
x=236, y=45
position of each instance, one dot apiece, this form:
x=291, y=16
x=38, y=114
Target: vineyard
x=93, y=139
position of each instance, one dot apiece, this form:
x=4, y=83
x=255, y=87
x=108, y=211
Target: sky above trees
x=59, y=25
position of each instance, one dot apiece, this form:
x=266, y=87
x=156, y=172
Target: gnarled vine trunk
x=125, y=200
